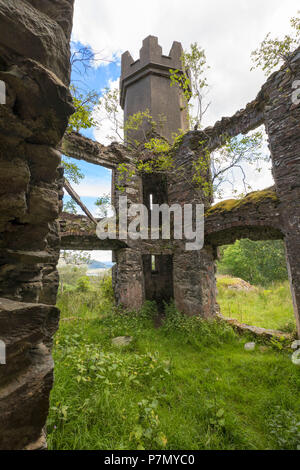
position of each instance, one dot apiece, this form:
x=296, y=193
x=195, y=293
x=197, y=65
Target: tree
x=70, y=207
x=273, y=52
x=83, y=284
x=256, y=262
x=84, y=104
x=231, y=157
x=82, y=60
x=103, y=204
x=193, y=83
x=225, y=165
x=72, y=172
x=111, y=113
x=69, y=275
x=76, y=257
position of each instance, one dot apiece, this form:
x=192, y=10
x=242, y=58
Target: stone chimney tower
x=145, y=84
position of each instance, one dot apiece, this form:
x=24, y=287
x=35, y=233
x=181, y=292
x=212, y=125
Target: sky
x=228, y=31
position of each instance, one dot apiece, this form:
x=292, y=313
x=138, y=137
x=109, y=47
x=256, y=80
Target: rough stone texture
x=128, y=278
x=122, y=341
x=262, y=215
x=257, y=217
x=80, y=147
x=255, y=330
x=145, y=84
x=77, y=232
x=283, y=126
x=34, y=64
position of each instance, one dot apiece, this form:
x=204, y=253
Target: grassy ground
x=187, y=385
x=268, y=308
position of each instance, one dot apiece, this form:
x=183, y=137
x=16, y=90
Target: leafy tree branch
x=275, y=51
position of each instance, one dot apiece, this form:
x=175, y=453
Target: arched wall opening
x=253, y=284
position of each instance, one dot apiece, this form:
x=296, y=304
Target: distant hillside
x=93, y=264
x=109, y=264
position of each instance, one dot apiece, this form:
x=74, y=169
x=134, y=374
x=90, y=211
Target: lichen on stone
x=255, y=198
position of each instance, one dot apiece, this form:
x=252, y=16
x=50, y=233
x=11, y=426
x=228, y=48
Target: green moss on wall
x=256, y=198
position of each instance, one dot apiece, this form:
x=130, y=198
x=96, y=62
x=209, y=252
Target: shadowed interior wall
x=35, y=66
x=158, y=276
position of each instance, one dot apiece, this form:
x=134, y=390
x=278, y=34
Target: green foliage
x=217, y=419
x=125, y=174
x=232, y=156
x=107, y=289
x=144, y=123
x=256, y=262
x=285, y=428
x=76, y=257
x=148, y=310
x=83, y=284
x=83, y=118
x=72, y=171
x=217, y=166
x=193, y=82
x=279, y=344
x=80, y=305
x=163, y=391
x=195, y=330
x=109, y=106
x=183, y=81
x=157, y=145
x=102, y=204
x=202, y=172
x=212, y=171
x=273, y=52
x=146, y=434
x=70, y=207
x=267, y=308
x=70, y=274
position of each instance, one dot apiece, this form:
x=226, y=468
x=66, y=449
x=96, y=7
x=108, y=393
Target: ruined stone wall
x=282, y=117
x=145, y=85
x=194, y=271
x=128, y=280
x=35, y=66
x=188, y=277
x=262, y=215
x=257, y=216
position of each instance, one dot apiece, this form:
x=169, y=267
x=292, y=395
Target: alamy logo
x=2, y=353
x=296, y=354
x=296, y=93
x=2, y=92
x=133, y=223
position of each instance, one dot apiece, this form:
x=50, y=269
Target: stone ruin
x=34, y=65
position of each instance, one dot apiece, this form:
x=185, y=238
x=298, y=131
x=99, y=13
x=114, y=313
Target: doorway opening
x=253, y=285
x=158, y=278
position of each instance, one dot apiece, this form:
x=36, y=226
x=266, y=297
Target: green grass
x=265, y=307
x=187, y=385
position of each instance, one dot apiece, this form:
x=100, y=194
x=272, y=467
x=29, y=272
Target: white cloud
x=228, y=30
x=95, y=188
x=104, y=256
x=106, y=132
